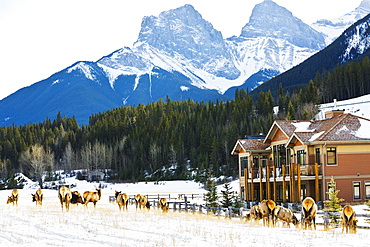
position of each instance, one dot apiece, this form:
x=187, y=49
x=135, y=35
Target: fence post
x=208, y=208
x=194, y=205
x=174, y=206
x=241, y=213
x=326, y=220
x=230, y=212
x=186, y=206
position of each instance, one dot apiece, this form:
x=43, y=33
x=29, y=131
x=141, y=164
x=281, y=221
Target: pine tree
x=367, y=220
x=211, y=197
x=227, y=196
x=332, y=205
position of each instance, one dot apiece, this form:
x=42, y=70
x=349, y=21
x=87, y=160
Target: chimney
x=333, y=113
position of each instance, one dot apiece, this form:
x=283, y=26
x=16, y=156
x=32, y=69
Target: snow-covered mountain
x=333, y=28
x=178, y=55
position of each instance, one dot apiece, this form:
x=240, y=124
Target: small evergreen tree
x=227, y=196
x=332, y=204
x=211, y=197
x=367, y=220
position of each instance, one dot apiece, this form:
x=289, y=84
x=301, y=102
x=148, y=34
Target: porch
x=288, y=183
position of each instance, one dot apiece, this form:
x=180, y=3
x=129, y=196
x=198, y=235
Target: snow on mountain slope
x=332, y=29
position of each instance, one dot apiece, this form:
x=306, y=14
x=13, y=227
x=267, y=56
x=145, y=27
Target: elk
x=267, y=209
x=93, y=197
x=348, y=219
x=38, y=197
x=309, y=210
x=121, y=199
x=163, y=204
x=286, y=215
x=65, y=197
x=76, y=198
x=13, y=198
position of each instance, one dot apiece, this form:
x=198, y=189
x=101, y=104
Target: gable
x=279, y=136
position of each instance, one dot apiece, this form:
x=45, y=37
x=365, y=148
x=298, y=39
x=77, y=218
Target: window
x=255, y=161
x=331, y=155
x=279, y=155
x=300, y=157
x=243, y=164
x=367, y=189
x=317, y=160
x=356, y=190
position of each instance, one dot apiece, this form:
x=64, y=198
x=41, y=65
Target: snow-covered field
x=28, y=225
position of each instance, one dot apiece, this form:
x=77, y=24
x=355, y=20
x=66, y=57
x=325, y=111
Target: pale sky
x=42, y=37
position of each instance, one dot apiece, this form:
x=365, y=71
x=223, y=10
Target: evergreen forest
x=167, y=139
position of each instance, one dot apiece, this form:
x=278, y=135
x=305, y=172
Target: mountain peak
x=269, y=19
x=365, y=4
x=183, y=33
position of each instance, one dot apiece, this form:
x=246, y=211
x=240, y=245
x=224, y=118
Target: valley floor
x=48, y=225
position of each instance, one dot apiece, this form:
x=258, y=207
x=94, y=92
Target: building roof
x=343, y=128
x=244, y=145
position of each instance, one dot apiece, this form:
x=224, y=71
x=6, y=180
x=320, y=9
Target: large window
x=279, y=155
x=317, y=155
x=367, y=189
x=243, y=164
x=356, y=190
x=301, y=157
x=331, y=153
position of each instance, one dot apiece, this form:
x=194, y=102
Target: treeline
x=345, y=81
x=167, y=139
x=161, y=140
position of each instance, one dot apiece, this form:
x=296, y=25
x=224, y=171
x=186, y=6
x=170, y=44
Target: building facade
x=297, y=159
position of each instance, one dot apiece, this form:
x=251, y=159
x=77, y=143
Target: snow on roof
x=303, y=127
x=315, y=136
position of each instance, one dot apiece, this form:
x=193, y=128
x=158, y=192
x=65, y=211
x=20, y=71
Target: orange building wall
x=349, y=164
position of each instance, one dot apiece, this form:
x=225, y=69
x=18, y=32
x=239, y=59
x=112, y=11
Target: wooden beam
x=261, y=184
x=246, y=192
x=299, y=182
x=268, y=189
x=252, y=185
x=274, y=173
x=284, y=185
x=317, y=192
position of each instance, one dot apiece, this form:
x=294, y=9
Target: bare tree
x=36, y=159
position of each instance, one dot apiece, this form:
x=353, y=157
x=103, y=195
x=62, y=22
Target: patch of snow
x=55, y=82
x=315, y=136
x=184, y=88
x=302, y=127
x=359, y=106
x=84, y=68
x=364, y=130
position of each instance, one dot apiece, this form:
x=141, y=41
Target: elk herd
x=270, y=213
x=267, y=210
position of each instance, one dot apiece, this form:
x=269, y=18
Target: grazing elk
x=286, y=215
x=143, y=202
x=13, y=198
x=65, y=197
x=76, y=198
x=137, y=200
x=38, y=197
x=348, y=219
x=267, y=209
x=254, y=213
x=309, y=211
x=93, y=197
x=163, y=204
x=121, y=199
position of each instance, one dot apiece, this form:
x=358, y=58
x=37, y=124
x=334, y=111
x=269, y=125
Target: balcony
x=305, y=170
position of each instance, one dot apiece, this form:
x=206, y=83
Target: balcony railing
x=305, y=170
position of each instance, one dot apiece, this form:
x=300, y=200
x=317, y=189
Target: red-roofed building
x=298, y=158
